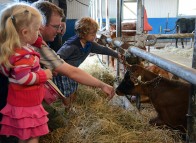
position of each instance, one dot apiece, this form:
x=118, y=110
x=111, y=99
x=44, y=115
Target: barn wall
x=161, y=8
x=162, y=14
x=76, y=10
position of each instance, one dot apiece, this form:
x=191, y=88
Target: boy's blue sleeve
x=99, y=49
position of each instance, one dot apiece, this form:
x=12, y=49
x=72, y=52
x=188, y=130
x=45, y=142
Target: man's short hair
x=48, y=9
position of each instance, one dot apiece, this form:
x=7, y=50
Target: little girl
x=23, y=115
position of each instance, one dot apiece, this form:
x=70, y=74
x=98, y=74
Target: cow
x=103, y=40
x=169, y=97
x=131, y=31
x=131, y=26
x=125, y=26
x=125, y=45
x=184, y=25
x=159, y=71
x=131, y=59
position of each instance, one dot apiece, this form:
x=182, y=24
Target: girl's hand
x=48, y=73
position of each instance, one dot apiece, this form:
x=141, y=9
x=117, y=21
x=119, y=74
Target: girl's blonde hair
x=13, y=18
x=84, y=25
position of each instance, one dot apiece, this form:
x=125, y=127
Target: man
x=49, y=30
x=57, y=42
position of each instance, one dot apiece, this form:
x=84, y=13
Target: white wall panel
x=155, y=8
x=76, y=10
x=111, y=8
x=161, y=8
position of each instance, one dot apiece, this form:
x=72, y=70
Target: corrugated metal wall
x=162, y=14
x=76, y=9
x=155, y=8
x=161, y=8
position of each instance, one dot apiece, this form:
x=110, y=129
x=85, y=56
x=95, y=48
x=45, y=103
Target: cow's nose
x=118, y=92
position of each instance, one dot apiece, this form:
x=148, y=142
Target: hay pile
x=186, y=52
x=92, y=119
x=179, y=55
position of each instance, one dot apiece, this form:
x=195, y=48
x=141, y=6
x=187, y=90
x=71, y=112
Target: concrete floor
x=170, y=52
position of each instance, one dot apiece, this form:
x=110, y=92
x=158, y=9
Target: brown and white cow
x=124, y=26
x=129, y=30
x=169, y=97
x=159, y=71
x=131, y=26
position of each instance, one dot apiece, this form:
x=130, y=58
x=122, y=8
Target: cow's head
x=136, y=70
x=126, y=85
x=130, y=83
x=102, y=40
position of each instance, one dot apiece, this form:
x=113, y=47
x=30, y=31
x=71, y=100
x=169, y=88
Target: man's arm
x=53, y=62
x=84, y=78
x=48, y=57
x=78, y=75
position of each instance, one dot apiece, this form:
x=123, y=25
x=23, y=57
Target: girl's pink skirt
x=24, y=122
